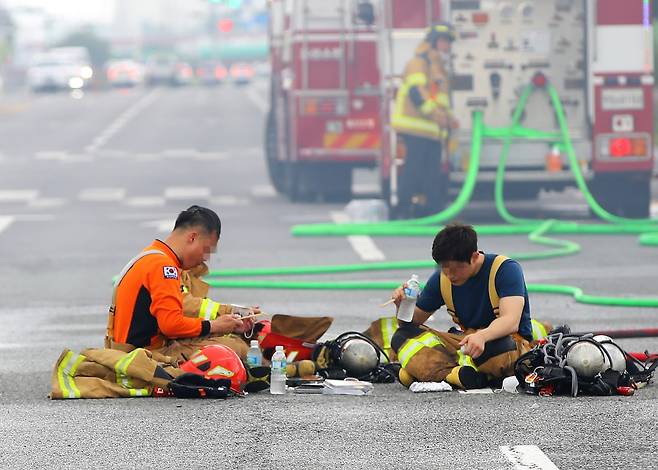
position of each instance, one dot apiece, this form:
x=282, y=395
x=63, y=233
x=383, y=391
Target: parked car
x=211, y=73
x=124, y=73
x=241, y=73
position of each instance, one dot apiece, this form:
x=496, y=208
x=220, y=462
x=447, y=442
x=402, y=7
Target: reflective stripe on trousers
x=121, y=368
x=538, y=330
x=65, y=373
x=413, y=345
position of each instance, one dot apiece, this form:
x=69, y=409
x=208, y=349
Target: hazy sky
x=82, y=10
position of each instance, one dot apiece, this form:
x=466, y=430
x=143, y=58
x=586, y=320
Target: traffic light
x=225, y=25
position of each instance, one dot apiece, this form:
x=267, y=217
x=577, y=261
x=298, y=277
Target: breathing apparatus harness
x=353, y=354
x=545, y=370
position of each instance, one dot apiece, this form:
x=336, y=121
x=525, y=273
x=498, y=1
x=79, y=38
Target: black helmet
x=442, y=30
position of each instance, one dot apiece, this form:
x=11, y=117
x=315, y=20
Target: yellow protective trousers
x=430, y=356
x=110, y=373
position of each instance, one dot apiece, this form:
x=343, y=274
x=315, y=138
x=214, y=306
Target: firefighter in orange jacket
x=147, y=305
x=421, y=118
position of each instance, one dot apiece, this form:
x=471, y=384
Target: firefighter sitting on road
x=487, y=298
x=148, y=308
x=421, y=118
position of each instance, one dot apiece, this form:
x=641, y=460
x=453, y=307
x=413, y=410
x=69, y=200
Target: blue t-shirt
x=471, y=299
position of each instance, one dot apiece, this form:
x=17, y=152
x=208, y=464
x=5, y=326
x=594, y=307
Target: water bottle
x=254, y=356
x=278, y=372
x=407, y=306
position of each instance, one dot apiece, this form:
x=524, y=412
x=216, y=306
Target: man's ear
x=474, y=257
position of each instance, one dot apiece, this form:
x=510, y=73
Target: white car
x=52, y=74
x=124, y=73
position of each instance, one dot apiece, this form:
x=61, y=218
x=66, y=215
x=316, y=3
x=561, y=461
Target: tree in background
x=99, y=49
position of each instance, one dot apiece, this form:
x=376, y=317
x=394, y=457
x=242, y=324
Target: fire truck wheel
x=275, y=167
x=626, y=195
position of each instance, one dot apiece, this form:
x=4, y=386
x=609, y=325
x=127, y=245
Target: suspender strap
x=446, y=293
x=446, y=290
x=493, y=294
x=109, y=335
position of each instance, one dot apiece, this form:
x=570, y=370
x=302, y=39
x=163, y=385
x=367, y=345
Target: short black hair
x=455, y=242
x=197, y=216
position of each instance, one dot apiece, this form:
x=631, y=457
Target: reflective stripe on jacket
x=426, y=73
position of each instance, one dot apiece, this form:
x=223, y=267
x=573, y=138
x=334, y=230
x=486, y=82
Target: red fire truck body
x=325, y=114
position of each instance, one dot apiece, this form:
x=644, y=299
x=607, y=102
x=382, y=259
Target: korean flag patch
x=170, y=272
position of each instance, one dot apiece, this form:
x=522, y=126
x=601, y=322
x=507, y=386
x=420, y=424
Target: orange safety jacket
x=149, y=302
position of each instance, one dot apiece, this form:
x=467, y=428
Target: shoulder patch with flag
x=170, y=272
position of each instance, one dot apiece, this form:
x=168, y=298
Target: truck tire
x=334, y=183
x=275, y=167
x=623, y=194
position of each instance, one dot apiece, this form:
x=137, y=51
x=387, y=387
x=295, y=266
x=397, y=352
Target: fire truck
x=337, y=65
x=325, y=115
x=598, y=56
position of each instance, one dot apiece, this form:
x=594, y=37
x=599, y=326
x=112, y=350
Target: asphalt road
x=86, y=182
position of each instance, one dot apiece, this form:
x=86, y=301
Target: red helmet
x=218, y=362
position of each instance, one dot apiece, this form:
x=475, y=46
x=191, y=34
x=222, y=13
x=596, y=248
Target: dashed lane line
x=528, y=457
x=18, y=195
x=363, y=245
x=5, y=222
x=187, y=192
x=145, y=201
x=102, y=194
x=257, y=99
x=121, y=121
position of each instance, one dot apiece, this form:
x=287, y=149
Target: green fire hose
x=537, y=230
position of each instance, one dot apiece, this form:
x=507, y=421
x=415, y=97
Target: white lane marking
x=44, y=203
x=257, y=99
x=527, y=458
x=653, y=208
x=229, y=200
x=5, y=222
x=187, y=192
x=121, y=121
x=50, y=155
x=363, y=245
x=265, y=190
x=174, y=153
x=145, y=201
x=161, y=225
x=18, y=195
x=102, y=194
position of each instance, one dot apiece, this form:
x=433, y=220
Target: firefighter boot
x=466, y=378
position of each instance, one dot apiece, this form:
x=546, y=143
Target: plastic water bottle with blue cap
x=408, y=304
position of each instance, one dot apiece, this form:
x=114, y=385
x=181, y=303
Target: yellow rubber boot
x=405, y=377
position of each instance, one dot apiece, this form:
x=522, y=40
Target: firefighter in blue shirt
x=487, y=298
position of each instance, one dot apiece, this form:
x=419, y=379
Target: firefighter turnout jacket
x=196, y=303
x=147, y=306
x=422, y=105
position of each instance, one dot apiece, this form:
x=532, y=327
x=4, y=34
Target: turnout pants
x=423, y=185
x=430, y=356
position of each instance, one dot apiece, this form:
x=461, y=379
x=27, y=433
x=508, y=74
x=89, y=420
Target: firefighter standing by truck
x=422, y=118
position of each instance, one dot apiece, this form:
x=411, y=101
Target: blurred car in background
x=211, y=73
x=241, y=73
x=53, y=72
x=124, y=73
x=167, y=70
x=262, y=69
x=183, y=74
